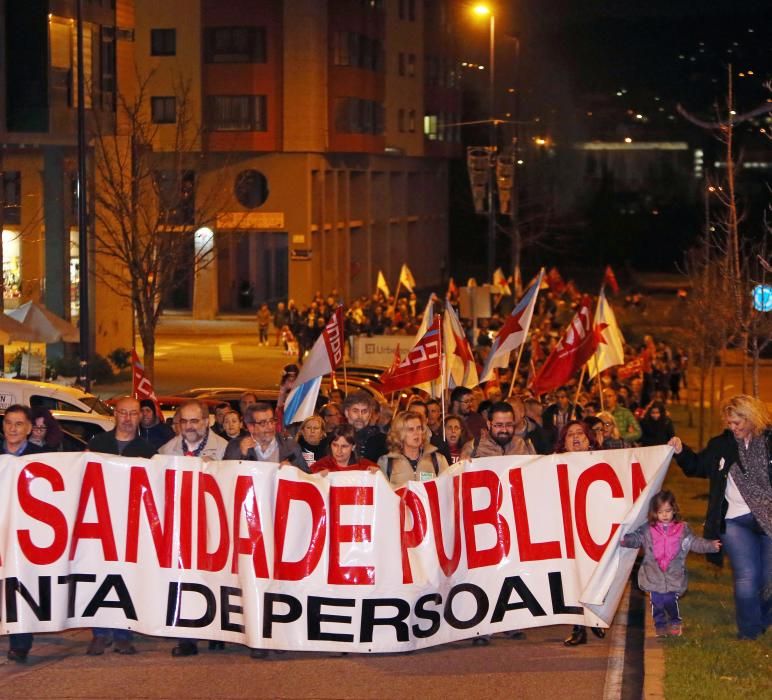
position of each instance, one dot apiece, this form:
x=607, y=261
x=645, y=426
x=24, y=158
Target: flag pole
x=443, y=375
x=596, y=354
x=396, y=297
x=517, y=365
x=578, y=390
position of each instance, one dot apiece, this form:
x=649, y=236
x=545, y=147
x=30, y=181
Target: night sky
x=675, y=49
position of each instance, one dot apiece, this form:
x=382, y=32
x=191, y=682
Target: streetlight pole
x=492, y=146
x=84, y=316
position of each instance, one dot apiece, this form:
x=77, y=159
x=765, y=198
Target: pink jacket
x=666, y=542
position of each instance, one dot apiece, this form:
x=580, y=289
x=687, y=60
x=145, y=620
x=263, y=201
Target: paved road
x=536, y=667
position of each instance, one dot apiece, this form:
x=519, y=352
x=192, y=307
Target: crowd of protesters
x=417, y=442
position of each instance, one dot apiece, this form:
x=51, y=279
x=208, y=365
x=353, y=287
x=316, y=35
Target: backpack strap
x=435, y=463
x=389, y=467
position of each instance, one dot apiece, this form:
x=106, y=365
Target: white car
x=54, y=397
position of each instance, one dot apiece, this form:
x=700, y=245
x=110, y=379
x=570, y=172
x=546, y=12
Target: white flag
x=514, y=331
x=459, y=358
x=610, y=350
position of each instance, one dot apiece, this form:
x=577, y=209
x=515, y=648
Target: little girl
x=666, y=540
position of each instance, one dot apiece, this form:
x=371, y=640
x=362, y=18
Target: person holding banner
x=17, y=426
x=738, y=464
x=312, y=439
x=576, y=436
x=499, y=439
x=411, y=456
x=123, y=440
x=263, y=444
x=343, y=456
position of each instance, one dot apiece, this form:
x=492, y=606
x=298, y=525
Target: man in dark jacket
x=123, y=440
x=151, y=426
x=17, y=426
x=263, y=444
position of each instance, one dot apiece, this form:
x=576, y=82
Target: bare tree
x=730, y=243
x=153, y=222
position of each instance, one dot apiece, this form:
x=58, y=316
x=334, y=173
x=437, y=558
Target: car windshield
x=96, y=405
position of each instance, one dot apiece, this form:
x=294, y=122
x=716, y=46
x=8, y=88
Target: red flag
x=555, y=281
x=423, y=363
x=141, y=387
x=631, y=368
x=452, y=292
x=610, y=279
x=576, y=346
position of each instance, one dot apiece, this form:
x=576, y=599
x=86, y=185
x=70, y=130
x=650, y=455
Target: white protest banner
x=274, y=558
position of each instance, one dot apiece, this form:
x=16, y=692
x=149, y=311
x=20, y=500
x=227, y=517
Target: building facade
x=322, y=136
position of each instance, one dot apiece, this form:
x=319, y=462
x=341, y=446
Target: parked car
x=54, y=397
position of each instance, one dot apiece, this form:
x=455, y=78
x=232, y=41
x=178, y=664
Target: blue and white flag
x=324, y=357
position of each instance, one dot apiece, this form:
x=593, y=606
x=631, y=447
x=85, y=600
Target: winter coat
x=486, y=446
x=651, y=577
x=713, y=463
x=399, y=471
x=289, y=451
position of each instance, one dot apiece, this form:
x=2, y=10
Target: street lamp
x=483, y=11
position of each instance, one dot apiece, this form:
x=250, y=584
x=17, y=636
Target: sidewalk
x=182, y=324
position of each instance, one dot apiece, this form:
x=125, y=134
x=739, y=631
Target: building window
x=400, y=120
x=402, y=8
x=356, y=50
x=176, y=196
x=163, y=110
x=238, y=113
x=108, y=67
x=356, y=116
x=401, y=64
x=411, y=64
x=430, y=127
x=411, y=10
x=163, y=42
x=251, y=188
x=411, y=121
x=235, y=45
x=11, y=197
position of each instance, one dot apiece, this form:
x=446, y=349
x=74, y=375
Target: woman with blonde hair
x=411, y=456
x=738, y=465
x=312, y=439
x=612, y=440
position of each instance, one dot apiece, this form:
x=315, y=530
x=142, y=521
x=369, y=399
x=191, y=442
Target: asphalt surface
x=538, y=666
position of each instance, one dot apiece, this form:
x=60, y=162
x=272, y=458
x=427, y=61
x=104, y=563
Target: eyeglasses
x=498, y=426
x=262, y=423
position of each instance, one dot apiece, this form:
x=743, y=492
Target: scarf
x=197, y=452
x=752, y=479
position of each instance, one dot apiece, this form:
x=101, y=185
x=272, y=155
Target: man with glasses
x=123, y=440
x=263, y=444
x=195, y=438
x=500, y=439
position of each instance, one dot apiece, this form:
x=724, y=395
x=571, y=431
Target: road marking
x=226, y=352
x=612, y=688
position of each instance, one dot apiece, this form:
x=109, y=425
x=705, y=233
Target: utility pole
x=85, y=330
